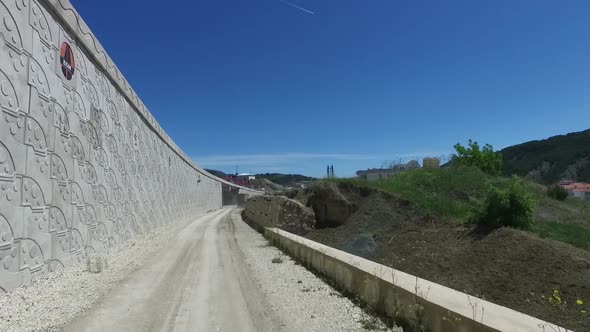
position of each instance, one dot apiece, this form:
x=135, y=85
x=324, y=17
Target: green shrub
x=486, y=159
x=509, y=206
x=557, y=192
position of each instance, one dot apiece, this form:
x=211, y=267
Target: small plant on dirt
x=580, y=303
x=557, y=192
x=556, y=300
x=506, y=207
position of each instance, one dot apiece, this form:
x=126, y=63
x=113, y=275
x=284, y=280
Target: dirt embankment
x=505, y=266
x=278, y=211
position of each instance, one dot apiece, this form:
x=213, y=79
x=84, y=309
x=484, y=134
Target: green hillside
x=550, y=160
x=453, y=192
x=286, y=180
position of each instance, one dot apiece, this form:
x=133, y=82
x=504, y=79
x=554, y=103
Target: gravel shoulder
x=301, y=300
x=212, y=273
x=54, y=299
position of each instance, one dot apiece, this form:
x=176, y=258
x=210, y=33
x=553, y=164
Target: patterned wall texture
x=83, y=164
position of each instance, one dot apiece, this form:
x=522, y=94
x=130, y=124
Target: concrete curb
x=404, y=297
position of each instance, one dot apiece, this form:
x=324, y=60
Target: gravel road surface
x=215, y=274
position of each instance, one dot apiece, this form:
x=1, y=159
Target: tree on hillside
x=566, y=154
x=484, y=158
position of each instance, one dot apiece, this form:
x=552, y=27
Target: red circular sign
x=66, y=58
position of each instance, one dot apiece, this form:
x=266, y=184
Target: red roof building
x=577, y=189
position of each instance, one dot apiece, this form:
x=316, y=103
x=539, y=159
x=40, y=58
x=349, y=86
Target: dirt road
x=218, y=274
x=197, y=284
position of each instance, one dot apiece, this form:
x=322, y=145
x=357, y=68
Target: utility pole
x=330, y=171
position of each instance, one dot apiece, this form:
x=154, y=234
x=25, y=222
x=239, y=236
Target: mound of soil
x=331, y=208
x=278, y=211
x=505, y=266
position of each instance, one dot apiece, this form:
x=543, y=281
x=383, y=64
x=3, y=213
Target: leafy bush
x=557, y=192
x=510, y=206
x=485, y=159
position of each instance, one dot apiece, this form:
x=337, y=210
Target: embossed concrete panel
x=83, y=164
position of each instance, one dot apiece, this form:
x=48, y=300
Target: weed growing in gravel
x=96, y=264
x=277, y=260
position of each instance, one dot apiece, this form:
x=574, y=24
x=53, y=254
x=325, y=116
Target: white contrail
x=295, y=6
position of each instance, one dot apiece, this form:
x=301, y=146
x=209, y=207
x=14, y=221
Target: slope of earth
x=268, y=186
x=454, y=192
x=550, y=160
x=509, y=267
x=217, y=173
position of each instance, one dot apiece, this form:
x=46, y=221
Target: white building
x=246, y=176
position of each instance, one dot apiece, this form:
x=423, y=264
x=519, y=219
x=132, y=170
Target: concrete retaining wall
x=397, y=294
x=229, y=195
x=83, y=164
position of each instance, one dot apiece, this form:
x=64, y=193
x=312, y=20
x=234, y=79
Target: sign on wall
x=66, y=62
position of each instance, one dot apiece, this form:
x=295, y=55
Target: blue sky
x=270, y=87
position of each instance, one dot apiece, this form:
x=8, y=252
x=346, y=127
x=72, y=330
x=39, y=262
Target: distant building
x=412, y=164
x=375, y=174
x=577, y=189
x=430, y=162
x=242, y=179
x=246, y=176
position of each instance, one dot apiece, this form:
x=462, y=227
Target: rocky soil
x=279, y=211
x=509, y=267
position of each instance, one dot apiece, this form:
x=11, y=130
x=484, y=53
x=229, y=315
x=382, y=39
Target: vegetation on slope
x=550, y=160
x=456, y=193
x=486, y=159
x=278, y=178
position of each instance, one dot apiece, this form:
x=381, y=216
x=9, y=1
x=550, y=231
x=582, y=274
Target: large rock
x=331, y=208
x=279, y=211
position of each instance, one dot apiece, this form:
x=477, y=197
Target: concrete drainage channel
x=414, y=304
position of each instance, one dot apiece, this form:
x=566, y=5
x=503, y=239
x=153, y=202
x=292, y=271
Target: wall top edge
x=68, y=15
